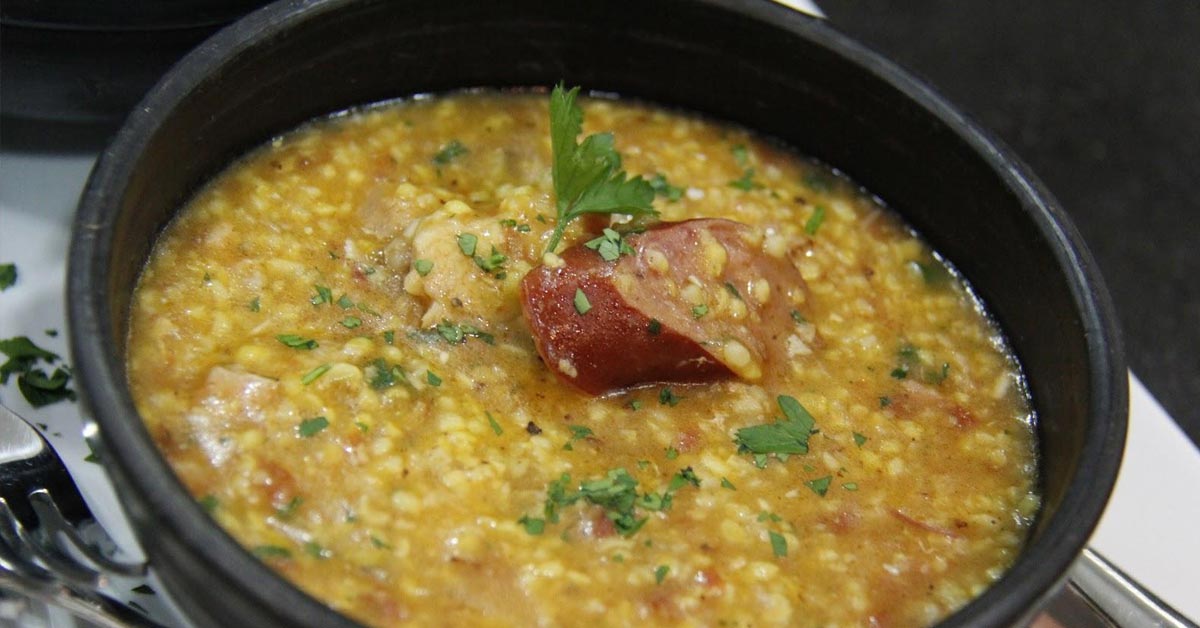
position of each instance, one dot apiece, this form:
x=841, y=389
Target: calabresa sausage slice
x=686, y=302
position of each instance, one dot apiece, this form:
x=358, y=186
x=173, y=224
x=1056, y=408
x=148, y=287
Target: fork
x=43, y=519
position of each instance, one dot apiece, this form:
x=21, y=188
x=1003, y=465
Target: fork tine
x=15, y=554
x=55, y=524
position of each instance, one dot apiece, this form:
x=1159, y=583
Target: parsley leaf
x=582, y=305
x=315, y=374
x=819, y=485
x=38, y=388
x=778, y=544
x=383, y=375
x=588, y=178
x=323, y=295
x=814, y=221
x=297, y=341
x=533, y=526
x=662, y=187
x=610, y=246
x=494, y=424
x=789, y=436
x=422, y=266
x=311, y=427
x=8, y=276
x=433, y=379
x=452, y=150
x=456, y=333
x=660, y=573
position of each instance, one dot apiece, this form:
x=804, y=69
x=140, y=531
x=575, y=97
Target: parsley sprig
x=588, y=178
x=783, y=437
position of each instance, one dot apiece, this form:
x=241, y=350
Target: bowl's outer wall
x=753, y=63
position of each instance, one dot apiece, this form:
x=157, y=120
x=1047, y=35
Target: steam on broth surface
x=329, y=347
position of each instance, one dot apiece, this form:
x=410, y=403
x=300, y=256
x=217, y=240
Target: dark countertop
x=1102, y=100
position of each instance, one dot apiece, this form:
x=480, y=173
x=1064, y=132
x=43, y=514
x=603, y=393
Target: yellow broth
x=286, y=357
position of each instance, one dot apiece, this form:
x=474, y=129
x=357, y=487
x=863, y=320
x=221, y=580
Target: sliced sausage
x=695, y=301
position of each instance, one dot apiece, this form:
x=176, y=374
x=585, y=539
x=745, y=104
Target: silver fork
x=43, y=553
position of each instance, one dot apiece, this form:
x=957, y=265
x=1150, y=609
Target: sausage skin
x=697, y=301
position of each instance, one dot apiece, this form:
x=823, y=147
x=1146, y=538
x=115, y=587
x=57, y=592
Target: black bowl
x=750, y=62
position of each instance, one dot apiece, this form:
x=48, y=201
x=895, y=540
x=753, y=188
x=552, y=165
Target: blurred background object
x=1102, y=100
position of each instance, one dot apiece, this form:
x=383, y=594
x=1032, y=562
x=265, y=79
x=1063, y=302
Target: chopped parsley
x=635, y=404
x=850, y=486
x=493, y=263
x=672, y=453
x=344, y=302
x=512, y=224
x=297, y=341
x=616, y=493
x=663, y=188
x=933, y=273
x=814, y=221
x=778, y=544
x=271, y=551
x=290, y=508
x=323, y=295
x=314, y=549
x=582, y=305
x=495, y=425
x=819, y=485
x=8, y=276
x=533, y=525
x=382, y=375
x=578, y=432
x=610, y=245
x=467, y=242
x=733, y=291
x=660, y=573
x=457, y=333
x=746, y=182
x=254, y=305
x=24, y=360
x=725, y=483
x=859, y=439
x=451, y=151
x=315, y=374
x=422, y=266
x=885, y=402
x=350, y=322
x=432, y=378
x=740, y=154
x=209, y=503
x=699, y=311
x=389, y=337
x=588, y=178
x=654, y=328
x=667, y=397
x=798, y=317
x=311, y=427
x=783, y=437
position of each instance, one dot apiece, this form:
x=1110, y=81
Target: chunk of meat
x=229, y=402
x=696, y=301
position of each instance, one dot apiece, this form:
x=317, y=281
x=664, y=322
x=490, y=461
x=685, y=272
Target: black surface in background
x=1102, y=100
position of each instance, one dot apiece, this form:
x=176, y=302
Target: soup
x=343, y=347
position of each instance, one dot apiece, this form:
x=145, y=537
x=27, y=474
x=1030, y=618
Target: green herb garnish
x=254, y=305
x=8, y=276
x=610, y=245
x=350, y=322
x=533, y=526
x=578, y=432
x=814, y=221
x=660, y=573
x=315, y=374
x=311, y=427
x=819, y=485
x=588, y=178
x=667, y=397
x=582, y=305
x=323, y=295
x=382, y=375
x=725, y=483
x=271, y=551
x=699, y=311
x=422, y=266
x=778, y=544
x=654, y=328
x=38, y=388
x=296, y=341
x=452, y=150
x=456, y=333
x=432, y=378
x=859, y=439
x=663, y=188
x=786, y=436
x=495, y=425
